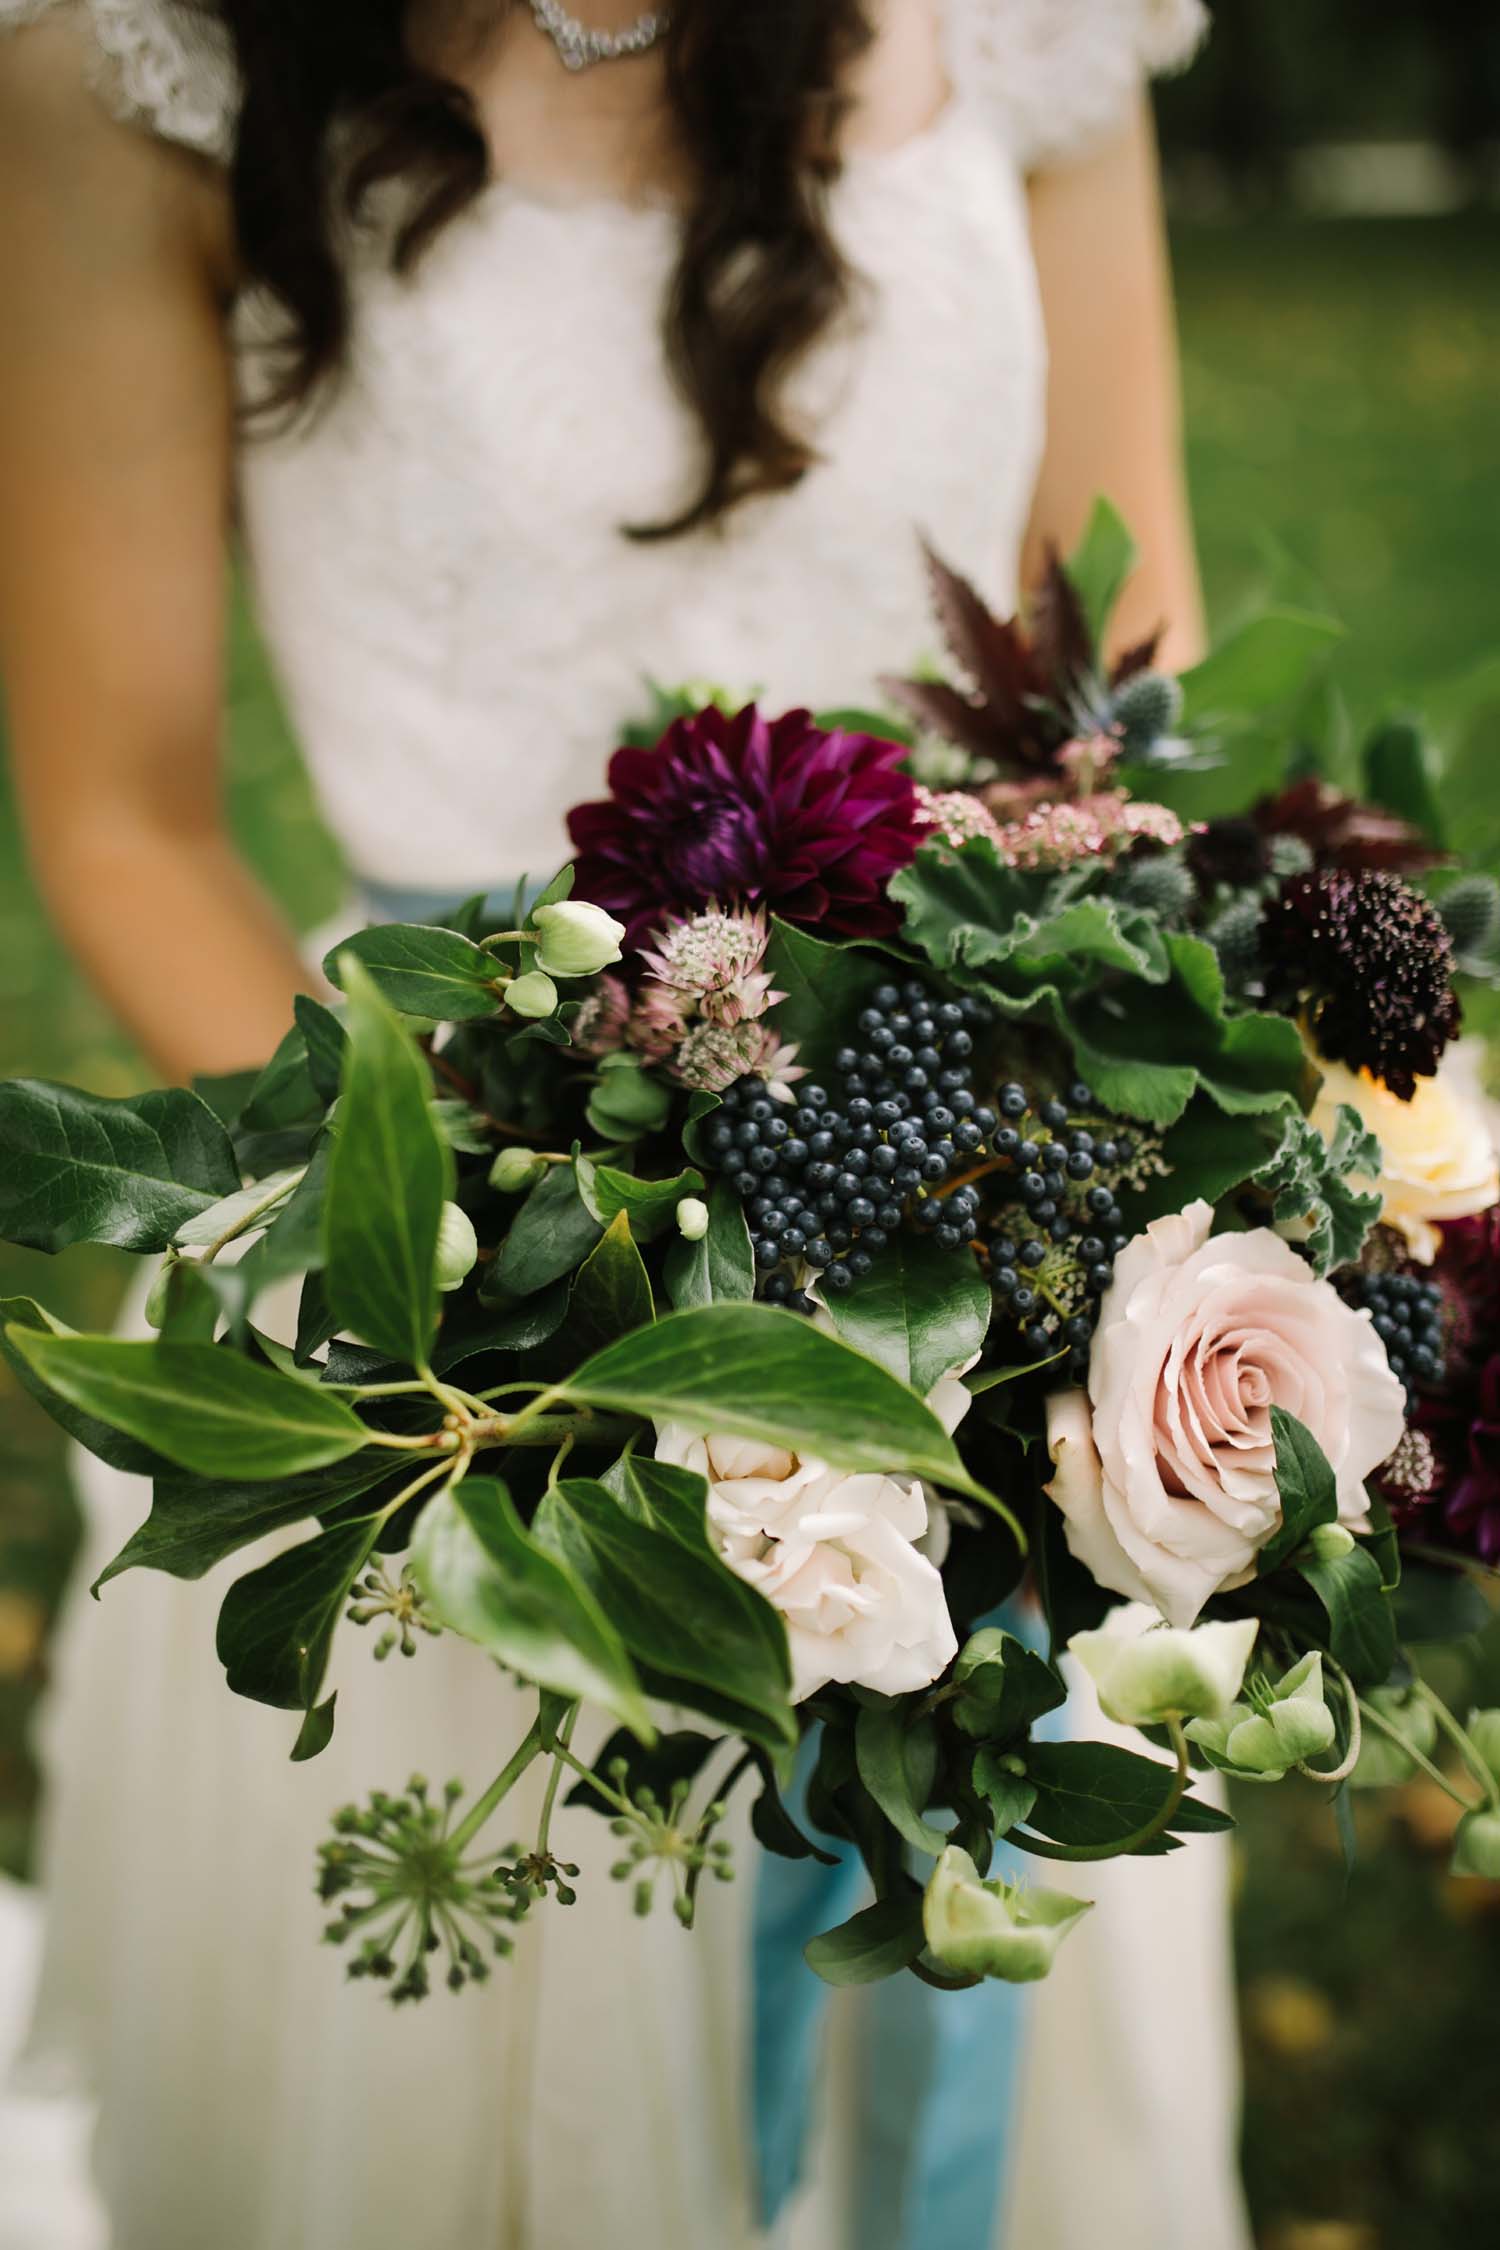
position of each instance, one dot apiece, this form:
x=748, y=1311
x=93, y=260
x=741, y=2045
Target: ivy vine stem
x=1462, y=1742
x=505, y=1780
x=563, y=1738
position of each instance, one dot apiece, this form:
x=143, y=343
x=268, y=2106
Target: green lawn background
x=1344, y=443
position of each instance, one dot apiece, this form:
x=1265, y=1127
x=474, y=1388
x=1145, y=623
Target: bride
x=529, y=354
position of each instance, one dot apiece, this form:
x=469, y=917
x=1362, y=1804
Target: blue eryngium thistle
x=410, y=1892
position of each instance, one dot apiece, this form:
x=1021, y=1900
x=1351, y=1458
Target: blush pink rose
x=1165, y=1467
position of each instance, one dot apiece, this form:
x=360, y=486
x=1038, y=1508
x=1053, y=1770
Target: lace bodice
x=457, y=623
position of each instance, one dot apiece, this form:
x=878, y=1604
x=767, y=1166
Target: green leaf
x=1399, y=775
x=627, y=1101
x=1361, y=1618
x=1009, y=1796
x=758, y=1371
x=897, y=1761
x=921, y=1311
x=111, y=1445
x=1099, y=567
x=200, y=1405
x=490, y=1580
x=277, y=1623
x=1257, y=669
x=554, y=1231
x=1093, y=1793
x=422, y=972
x=651, y=1204
x=1005, y=1687
x=968, y=910
x=1307, y=1485
x=234, y=1214
x=680, y=1610
x=612, y=1294
x=1311, y=1183
x=79, y=1168
x=388, y=1177
x=283, y=1098
x=316, y=1732
x=195, y=1521
x=774, y=1828
x=323, y=1037
x=1147, y=1051
x=825, y=986
x=1207, y=1155
x=720, y=1266
x=514, y=1328
x=885, y=1939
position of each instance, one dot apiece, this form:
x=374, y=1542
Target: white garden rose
x=837, y=1555
x=1165, y=1468
x=1437, y=1156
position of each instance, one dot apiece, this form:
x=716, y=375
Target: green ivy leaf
x=389, y=1175
x=553, y=1232
x=880, y=1942
x=491, y=1580
x=681, y=1611
x=201, y=1405
x=1094, y=1793
x=897, y=1760
x=825, y=987
x=1306, y=1484
x=1010, y=1796
x=921, y=1311
x=111, y=1445
x=277, y=1624
x=758, y=1371
x=424, y=972
x=1361, y=1618
x=720, y=1266
x=76, y=1167
x=612, y=1292
x=195, y=1521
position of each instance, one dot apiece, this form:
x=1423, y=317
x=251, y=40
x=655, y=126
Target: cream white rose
x=1165, y=1467
x=1437, y=1156
x=836, y=1554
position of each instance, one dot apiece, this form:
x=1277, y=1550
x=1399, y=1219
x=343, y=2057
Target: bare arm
x=1113, y=404
x=115, y=421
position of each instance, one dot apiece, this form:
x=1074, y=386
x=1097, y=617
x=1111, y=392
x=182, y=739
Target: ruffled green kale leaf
x=1312, y=1184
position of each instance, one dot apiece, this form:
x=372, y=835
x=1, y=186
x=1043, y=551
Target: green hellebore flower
x=692, y=1218
x=1383, y=1764
x=578, y=940
x=1144, y=1679
x=533, y=994
x=457, y=1247
x=1276, y=1729
x=516, y=1169
x=993, y=1929
x=1476, y=1850
x=1484, y=1733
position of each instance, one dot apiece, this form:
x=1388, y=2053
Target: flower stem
x=1350, y=1759
x=1373, y=1718
x=564, y=1737
x=1462, y=1742
x=504, y=1781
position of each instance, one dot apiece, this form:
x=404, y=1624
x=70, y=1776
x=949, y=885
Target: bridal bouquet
x=1012, y=1150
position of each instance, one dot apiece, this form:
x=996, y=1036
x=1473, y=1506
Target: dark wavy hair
x=756, y=90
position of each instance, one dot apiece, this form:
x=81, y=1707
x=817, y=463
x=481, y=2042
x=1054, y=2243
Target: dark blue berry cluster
x=827, y=1179
x=1408, y=1316
x=1059, y=1226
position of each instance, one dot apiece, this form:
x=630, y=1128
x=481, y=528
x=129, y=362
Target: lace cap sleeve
x=1059, y=74
x=165, y=65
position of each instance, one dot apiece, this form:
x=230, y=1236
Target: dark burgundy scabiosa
x=774, y=812
x=1367, y=959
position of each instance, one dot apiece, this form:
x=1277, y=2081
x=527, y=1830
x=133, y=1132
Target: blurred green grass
x=1344, y=448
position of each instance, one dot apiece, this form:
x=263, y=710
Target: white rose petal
x=1166, y=1469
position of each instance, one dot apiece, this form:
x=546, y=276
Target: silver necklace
x=578, y=46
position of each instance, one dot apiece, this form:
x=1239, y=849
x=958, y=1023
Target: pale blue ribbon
x=940, y=2072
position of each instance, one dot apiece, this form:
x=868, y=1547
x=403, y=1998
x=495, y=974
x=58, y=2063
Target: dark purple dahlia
x=1443, y=1481
x=1369, y=961
x=777, y=812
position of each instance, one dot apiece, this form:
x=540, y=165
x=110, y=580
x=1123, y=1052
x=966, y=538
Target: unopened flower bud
x=1143, y=1679
x=1476, y=1849
x=533, y=994
x=1330, y=1541
x=1484, y=1733
x=457, y=1247
x=993, y=1929
x=692, y=1218
x=516, y=1169
x=161, y=1294
x=578, y=940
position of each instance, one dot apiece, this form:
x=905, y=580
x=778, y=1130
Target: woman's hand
x=1113, y=416
x=115, y=452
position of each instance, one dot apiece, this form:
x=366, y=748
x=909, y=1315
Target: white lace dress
x=458, y=628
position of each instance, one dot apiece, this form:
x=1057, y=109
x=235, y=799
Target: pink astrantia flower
x=713, y=1055
x=809, y=822
x=712, y=962
x=1099, y=827
x=956, y=816
x=599, y=1026
x=658, y=1022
